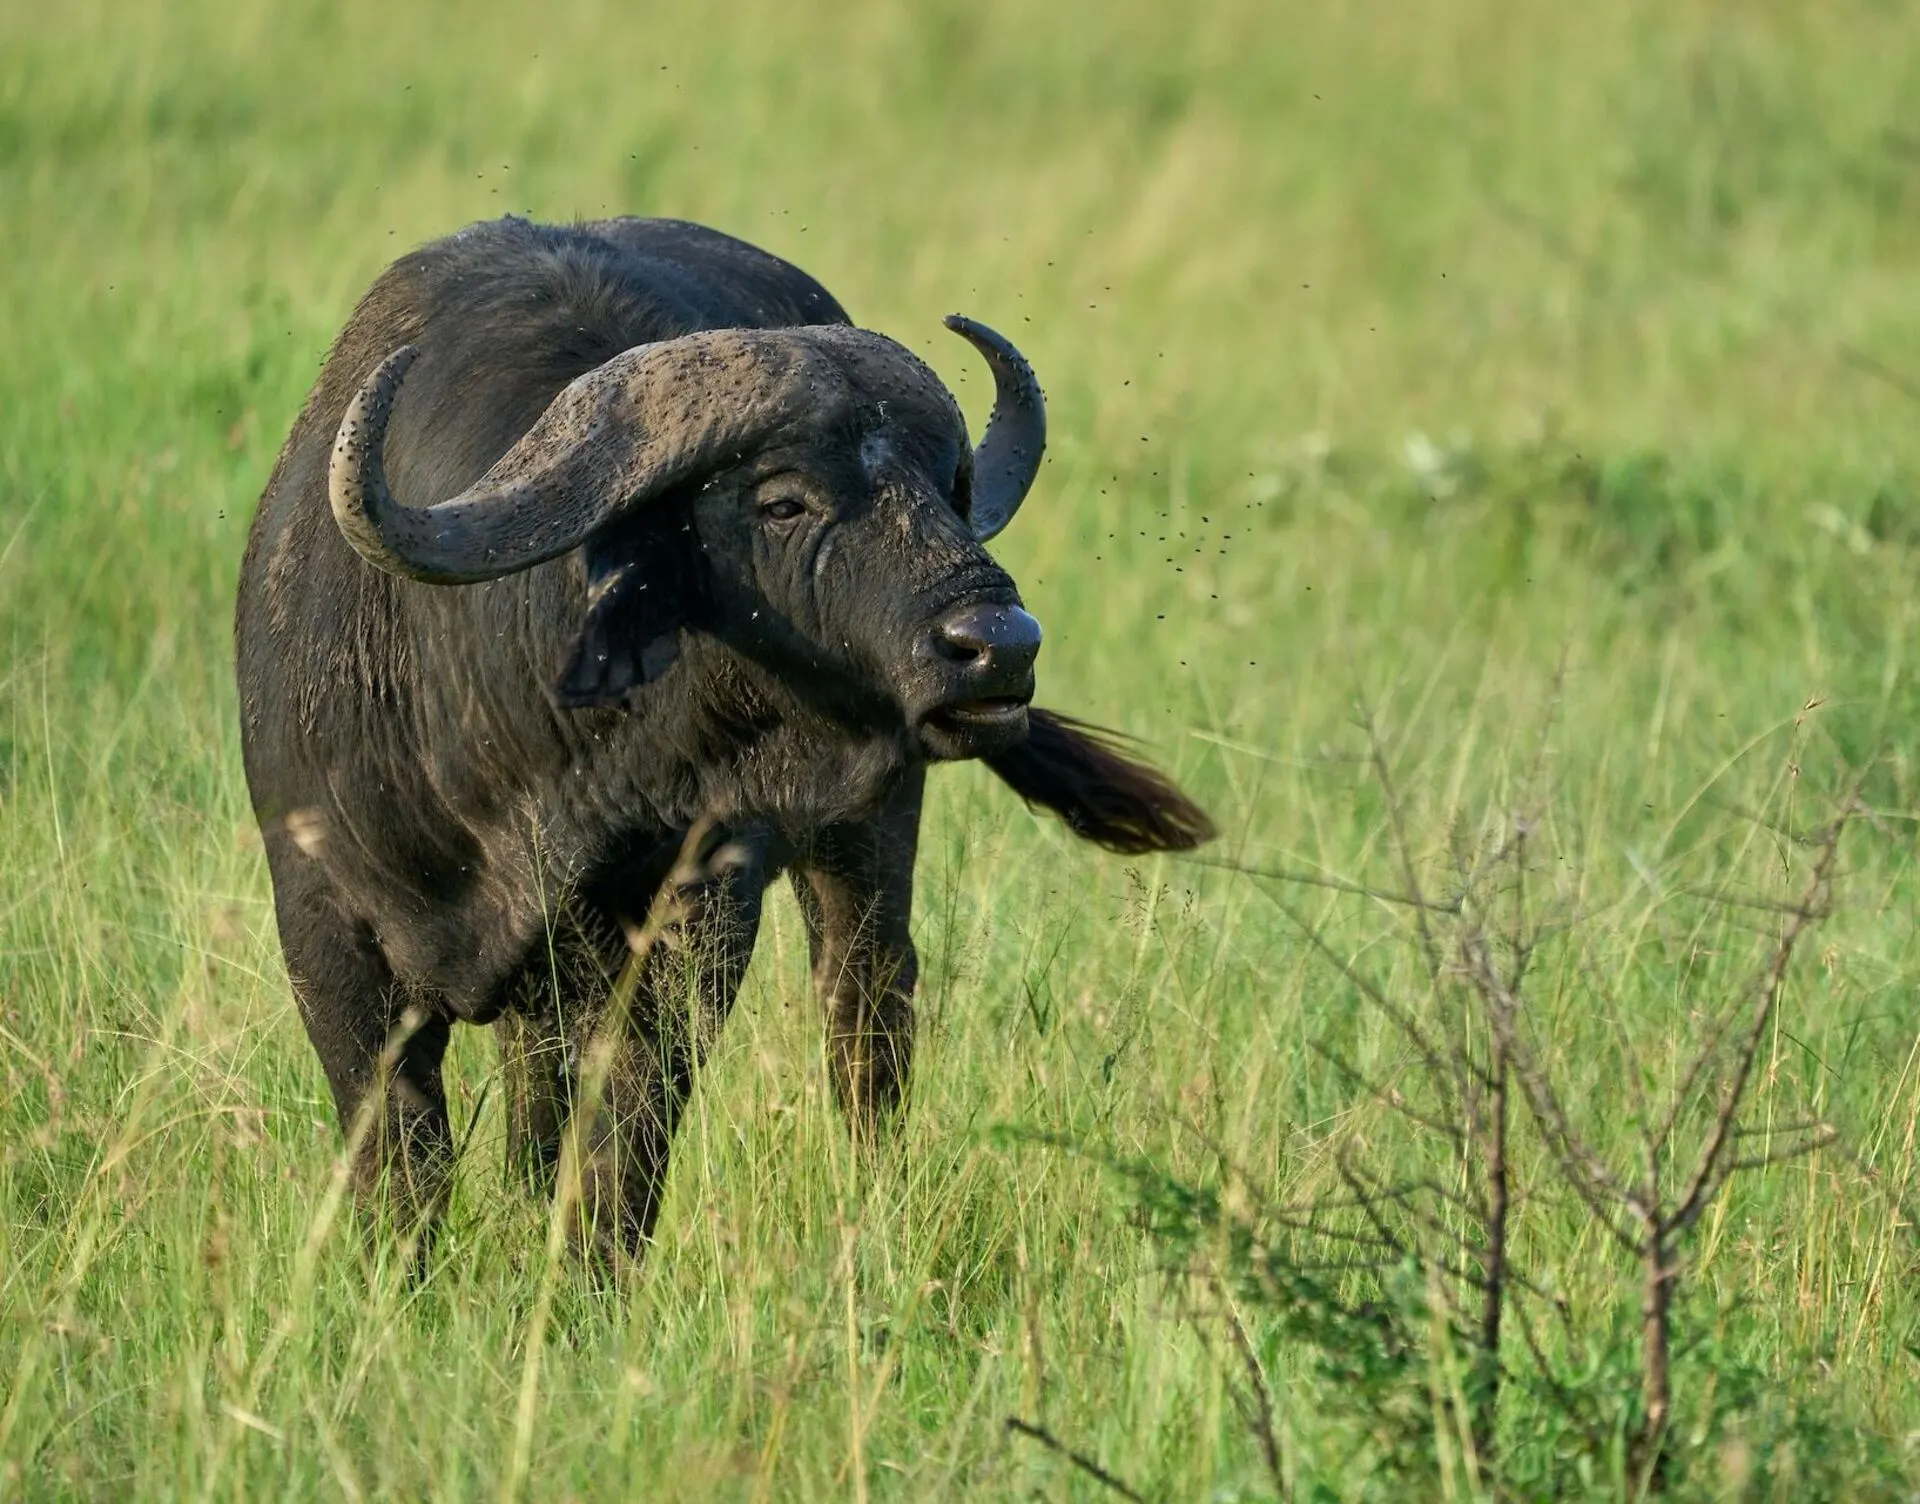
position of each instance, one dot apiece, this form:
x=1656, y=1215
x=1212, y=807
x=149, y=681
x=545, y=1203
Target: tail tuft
x=1079, y=773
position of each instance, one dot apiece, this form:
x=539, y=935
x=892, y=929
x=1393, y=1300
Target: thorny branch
x=1387, y=1095
x=1080, y=1460
x=1709, y=1175
x=1472, y=1054
x=1430, y=1054
x=1580, y=1166
x=1302, y=879
x=1402, y=844
x=1258, y=1404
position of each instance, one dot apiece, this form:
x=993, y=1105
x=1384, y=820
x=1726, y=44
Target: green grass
x=1644, y=275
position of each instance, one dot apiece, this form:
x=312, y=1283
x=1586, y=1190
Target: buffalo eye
x=782, y=509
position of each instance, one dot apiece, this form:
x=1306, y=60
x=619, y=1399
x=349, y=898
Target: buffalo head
x=806, y=495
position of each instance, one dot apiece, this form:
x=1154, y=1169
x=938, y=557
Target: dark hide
x=483, y=801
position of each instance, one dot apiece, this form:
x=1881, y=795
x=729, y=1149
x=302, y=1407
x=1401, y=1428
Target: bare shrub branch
x=1257, y=1404
x=1471, y=1043
x=1709, y=1175
x=1080, y=1460
x=1402, y=844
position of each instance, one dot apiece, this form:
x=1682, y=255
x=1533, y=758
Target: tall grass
x=1448, y=360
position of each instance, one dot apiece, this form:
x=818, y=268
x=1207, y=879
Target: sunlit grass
x=1503, y=367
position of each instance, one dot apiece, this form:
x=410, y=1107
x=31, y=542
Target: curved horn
x=1009, y=454
x=649, y=419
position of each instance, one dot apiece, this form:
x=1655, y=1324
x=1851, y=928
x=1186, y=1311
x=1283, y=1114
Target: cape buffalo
x=609, y=573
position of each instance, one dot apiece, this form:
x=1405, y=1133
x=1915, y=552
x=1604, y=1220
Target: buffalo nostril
x=961, y=639
x=1003, y=637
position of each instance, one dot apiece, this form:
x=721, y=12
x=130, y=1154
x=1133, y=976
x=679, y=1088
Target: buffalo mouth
x=1001, y=710
x=975, y=728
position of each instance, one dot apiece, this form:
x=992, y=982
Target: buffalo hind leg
x=855, y=886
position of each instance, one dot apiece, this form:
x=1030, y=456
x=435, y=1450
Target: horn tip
x=396, y=365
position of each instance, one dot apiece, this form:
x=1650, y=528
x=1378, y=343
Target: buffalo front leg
x=382, y=1058
x=667, y=1008
x=855, y=885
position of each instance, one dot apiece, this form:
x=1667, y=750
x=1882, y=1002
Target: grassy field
x=1538, y=382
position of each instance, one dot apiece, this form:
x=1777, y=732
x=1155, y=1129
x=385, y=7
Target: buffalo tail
x=1078, y=771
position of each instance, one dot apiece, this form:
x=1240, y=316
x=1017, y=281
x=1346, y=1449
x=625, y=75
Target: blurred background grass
x=1504, y=366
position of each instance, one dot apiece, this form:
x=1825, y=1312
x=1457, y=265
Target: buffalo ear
x=631, y=632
